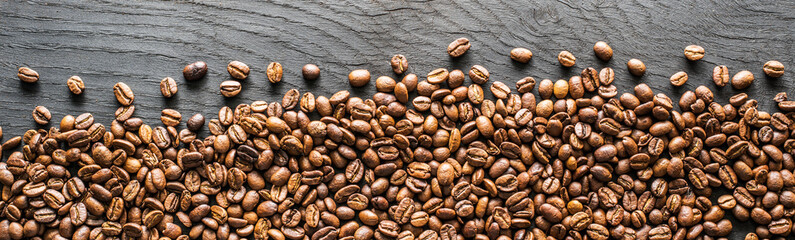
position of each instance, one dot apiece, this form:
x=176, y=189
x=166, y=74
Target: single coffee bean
x=679, y=78
x=170, y=117
x=478, y=74
x=195, y=122
x=123, y=94
x=399, y=64
x=230, y=88
x=525, y=85
x=455, y=79
x=560, y=89
x=566, y=59
x=290, y=99
x=359, y=77
x=310, y=72
x=458, y=47
x=438, y=76
x=274, y=72
x=41, y=115
x=603, y=51
x=195, y=71
x=28, y=75
x=694, y=52
x=76, y=85
x=500, y=90
x=773, y=68
x=606, y=76
x=168, y=87
x=742, y=79
x=521, y=55
x=720, y=75
x=238, y=70
x=636, y=67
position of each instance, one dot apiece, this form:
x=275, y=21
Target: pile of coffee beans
x=425, y=159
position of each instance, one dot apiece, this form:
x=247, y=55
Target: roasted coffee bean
x=310, y=72
x=458, y=47
x=195, y=71
x=742, y=79
x=694, y=52
x=27, y=75
x=522, y=55
x=76, y=85
x=238, y=70
x=478, y=74
x=603, y=51
x=773, y=69
x=230, y=88
x=399, y=64
x=566, y=59
x=123, y=94
x=679, y=79
x=168, y=87
x=274, y=72
x=41, y=115
x=636, y=67
x=170, y=117
x=359, y=77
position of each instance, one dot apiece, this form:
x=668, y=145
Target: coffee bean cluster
x=430, y=159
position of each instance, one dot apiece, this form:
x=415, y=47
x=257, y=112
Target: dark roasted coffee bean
x=194, y=71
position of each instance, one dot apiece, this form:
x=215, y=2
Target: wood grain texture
x=139, y=43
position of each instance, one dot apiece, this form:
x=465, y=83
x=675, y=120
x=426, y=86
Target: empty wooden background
x=140, y=42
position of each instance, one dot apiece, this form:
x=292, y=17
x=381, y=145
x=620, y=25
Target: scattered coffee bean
x=195, y=71
x=478, y=74
x=399, y=64
x=123, y=93
x=720, y=75
x=458, y=47
x=636, y=67
x=311, y=72
x=694, y=52
x=742, y=79
x=679, y=79
x=566, y=59
x=274, y=72
x=168, y=87
x=773, y=68
x=359, y=77
x=230, y=88
x=76, y=85
x=522, y=55
x=28, y=75
x=603, y=51
x=238, y=70
x=41, y=115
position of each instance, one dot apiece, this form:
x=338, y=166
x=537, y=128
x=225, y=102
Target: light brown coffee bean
x=636, y=67
x=438, y=76
x=566, y=59
x=773, y=68
x=500, y=90
x=458, y=47
x=230, y=88
x=679, y=79
x=359, y=77
x=310, y=72
x=238, y=70
x=603, y=51
x=168, y=87
x=399, y=64
x=28, y=75
x=76, y=85
x=41, y=115
x=694, y=52
x=170, y=117
x=742, y=79
x=274, y=72
x=478, y=74
x=123, y=93
x=522, y=55
x=720, y=75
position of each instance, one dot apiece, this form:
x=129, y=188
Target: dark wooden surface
x=139, y=43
